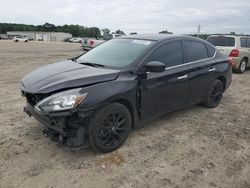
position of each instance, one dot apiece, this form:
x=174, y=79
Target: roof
x=156, y=37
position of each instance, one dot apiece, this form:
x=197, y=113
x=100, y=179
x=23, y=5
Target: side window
x=195, y=51
x=211, y=50
x=243, y=42
x=248, y=42
x=171, y=54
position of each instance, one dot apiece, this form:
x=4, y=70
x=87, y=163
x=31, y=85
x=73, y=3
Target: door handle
x=182, y=77
x=211, y=69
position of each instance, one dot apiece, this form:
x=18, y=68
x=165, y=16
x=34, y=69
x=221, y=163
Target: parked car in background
x=89, y=44
x=97, y=98
x=28, y=37
x=20, y=39
x=67, y=39
x=39, y=38
x=236, y=47
x=3, y=37
x=75, y=40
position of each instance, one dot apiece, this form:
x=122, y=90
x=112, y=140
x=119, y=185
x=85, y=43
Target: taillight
x=234, y=53
x=92, y=42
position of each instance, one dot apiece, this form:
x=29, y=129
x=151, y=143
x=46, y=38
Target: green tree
x=120, y=32
x=201, y=36
x=75, y=30
x=105, y=31
x=165, y=32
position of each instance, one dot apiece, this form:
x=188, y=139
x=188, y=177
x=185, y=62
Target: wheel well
x=223, y=80
x=246, y=58
x=129, y=106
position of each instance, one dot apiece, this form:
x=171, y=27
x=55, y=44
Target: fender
x=123, y=89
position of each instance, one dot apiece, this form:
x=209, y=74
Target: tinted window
x=222, y=41
x=171, y=54
x=243, y=42
x=195, y=51
x=248, y=42
x=211, y=50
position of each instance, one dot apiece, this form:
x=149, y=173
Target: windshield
x=116, y=53
x=222, y=41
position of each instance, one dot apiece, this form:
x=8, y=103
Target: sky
x=141, y=16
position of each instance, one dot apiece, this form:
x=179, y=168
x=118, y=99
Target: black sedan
x=97, y=98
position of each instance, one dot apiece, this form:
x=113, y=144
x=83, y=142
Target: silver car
x=236, y=47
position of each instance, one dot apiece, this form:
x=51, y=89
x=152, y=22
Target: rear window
x=222, y=41
x=243, y=42
x=248, y=42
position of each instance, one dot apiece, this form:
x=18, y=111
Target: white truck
x=89, y=43
x=20, y=39
x=76, y=40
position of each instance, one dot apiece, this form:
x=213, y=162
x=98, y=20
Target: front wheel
x=110, y=127
x=215, y=95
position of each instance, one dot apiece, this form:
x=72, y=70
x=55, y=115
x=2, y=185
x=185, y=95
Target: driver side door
x=166, y=91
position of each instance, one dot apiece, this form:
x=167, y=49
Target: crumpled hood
x=62, y=75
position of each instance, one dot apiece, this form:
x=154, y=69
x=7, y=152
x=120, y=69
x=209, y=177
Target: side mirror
x=155, y=66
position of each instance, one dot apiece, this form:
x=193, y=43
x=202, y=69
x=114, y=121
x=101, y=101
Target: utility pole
x=199, y=29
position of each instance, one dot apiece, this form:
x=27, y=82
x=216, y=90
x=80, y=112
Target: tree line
x=75, y=30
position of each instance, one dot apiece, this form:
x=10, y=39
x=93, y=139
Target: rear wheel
x=110, y=127
x=242, y=66
x=215, y=94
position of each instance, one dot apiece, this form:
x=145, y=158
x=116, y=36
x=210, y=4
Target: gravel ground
x=194, y=147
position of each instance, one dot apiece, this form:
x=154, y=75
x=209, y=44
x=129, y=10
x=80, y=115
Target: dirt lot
x=195, y=147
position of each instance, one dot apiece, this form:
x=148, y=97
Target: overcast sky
x=142, y=16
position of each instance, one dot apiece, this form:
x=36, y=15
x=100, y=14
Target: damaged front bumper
x=70, y=127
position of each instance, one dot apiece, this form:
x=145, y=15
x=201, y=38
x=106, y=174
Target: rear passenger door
x=198, y=56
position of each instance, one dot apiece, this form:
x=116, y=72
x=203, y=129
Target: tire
x=26, y=41
x=242, y=66
x=215, y=94
x=110, y=127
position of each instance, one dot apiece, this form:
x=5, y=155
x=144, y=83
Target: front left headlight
x=61, y=101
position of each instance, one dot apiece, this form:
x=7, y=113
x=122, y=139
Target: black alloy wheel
x=215, y=94
x=110, y=127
